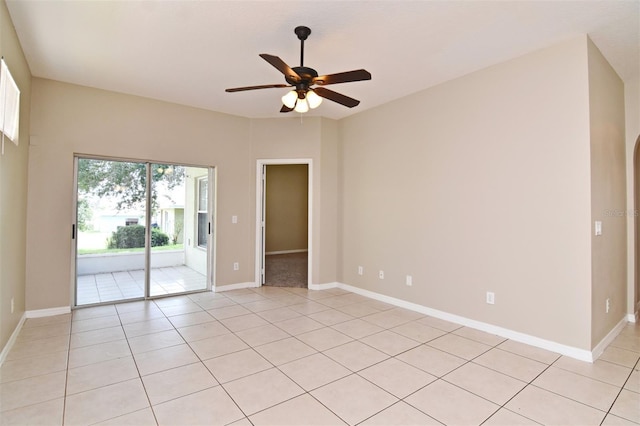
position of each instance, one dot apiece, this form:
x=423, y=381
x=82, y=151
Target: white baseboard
x=570, y=351
x=326, y=286
x=39, y=313
x=286, y=252
x=236, y=286
x=600, y=347
x=12, y=339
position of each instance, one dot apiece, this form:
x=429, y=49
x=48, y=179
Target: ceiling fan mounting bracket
x=302, y=32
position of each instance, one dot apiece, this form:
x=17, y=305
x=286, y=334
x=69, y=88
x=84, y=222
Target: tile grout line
x=458, y=367
x=146, y=394
x=620, y=391
x=66, y=375
x=201, y=361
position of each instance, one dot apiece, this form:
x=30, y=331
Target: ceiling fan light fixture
x=290, y=98
x=302, y=106
x=313, y=99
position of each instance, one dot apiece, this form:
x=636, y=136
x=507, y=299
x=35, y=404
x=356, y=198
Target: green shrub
x=132, y=236
x=158, y=238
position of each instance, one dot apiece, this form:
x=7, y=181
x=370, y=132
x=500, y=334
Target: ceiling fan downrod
x=302, y=32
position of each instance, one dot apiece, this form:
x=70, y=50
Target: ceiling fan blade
x=281, y=66
x=264, y=86
x=285, y=109
x=336, y=97
x=342, y=77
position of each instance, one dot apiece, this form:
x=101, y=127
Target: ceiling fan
x=302, y=78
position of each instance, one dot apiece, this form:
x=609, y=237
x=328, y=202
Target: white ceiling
x=188, y=52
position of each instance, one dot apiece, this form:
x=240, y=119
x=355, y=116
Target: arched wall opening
x=634, y=292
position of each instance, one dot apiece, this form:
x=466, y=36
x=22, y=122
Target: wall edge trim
x=268, y=253
x=570, y=351
x=236, y=286
x=39, y=313
x=600, y=347
x=12, y=339
x=324, y=286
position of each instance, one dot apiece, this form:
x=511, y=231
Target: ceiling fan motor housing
x=306, y=76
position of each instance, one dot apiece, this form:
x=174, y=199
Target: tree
x=85, y=214
x=125, y=181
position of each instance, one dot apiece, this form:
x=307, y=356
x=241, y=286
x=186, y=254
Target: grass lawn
x=130, y=250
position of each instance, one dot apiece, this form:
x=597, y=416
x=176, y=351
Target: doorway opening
x=284, y=223
x=141, y=230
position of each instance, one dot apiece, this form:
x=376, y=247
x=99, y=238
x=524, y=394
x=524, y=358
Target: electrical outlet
x=381, y=275
x=360, y=270
x=409, y=280
x=491, y=298
x=12, y=305
x=234, y=219
x=608, y=305
x=236, y=266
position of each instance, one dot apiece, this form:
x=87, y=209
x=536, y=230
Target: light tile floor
x=122, y=285
x=286, y=356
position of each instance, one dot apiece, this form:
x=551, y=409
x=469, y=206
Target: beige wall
x=68, y=119
x=314, y=139
x=13, y=188
x=479, y=184
x=286, y=207
x=608, y=192
x=330, y=198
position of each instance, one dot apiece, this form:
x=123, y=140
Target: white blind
x=9, y=105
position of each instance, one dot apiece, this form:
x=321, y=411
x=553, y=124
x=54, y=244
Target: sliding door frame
x=212, y=232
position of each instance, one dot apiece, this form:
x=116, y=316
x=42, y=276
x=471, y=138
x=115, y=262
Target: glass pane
x=176, y=266
x=111, y=205
x=202, y=195
x=203, y=228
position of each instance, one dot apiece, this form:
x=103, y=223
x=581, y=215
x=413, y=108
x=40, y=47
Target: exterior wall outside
x=171, y=222
x=195, y=257
x=13, y=189
x=608, y=191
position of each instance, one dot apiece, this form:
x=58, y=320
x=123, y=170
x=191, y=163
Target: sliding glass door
x=139, y=230
x=180, y=215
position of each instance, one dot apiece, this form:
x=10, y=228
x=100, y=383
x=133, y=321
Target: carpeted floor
x=286, y=270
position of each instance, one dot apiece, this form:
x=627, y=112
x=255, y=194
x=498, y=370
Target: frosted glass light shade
x=302, y=106
x=289, y=100
x=313, y=99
